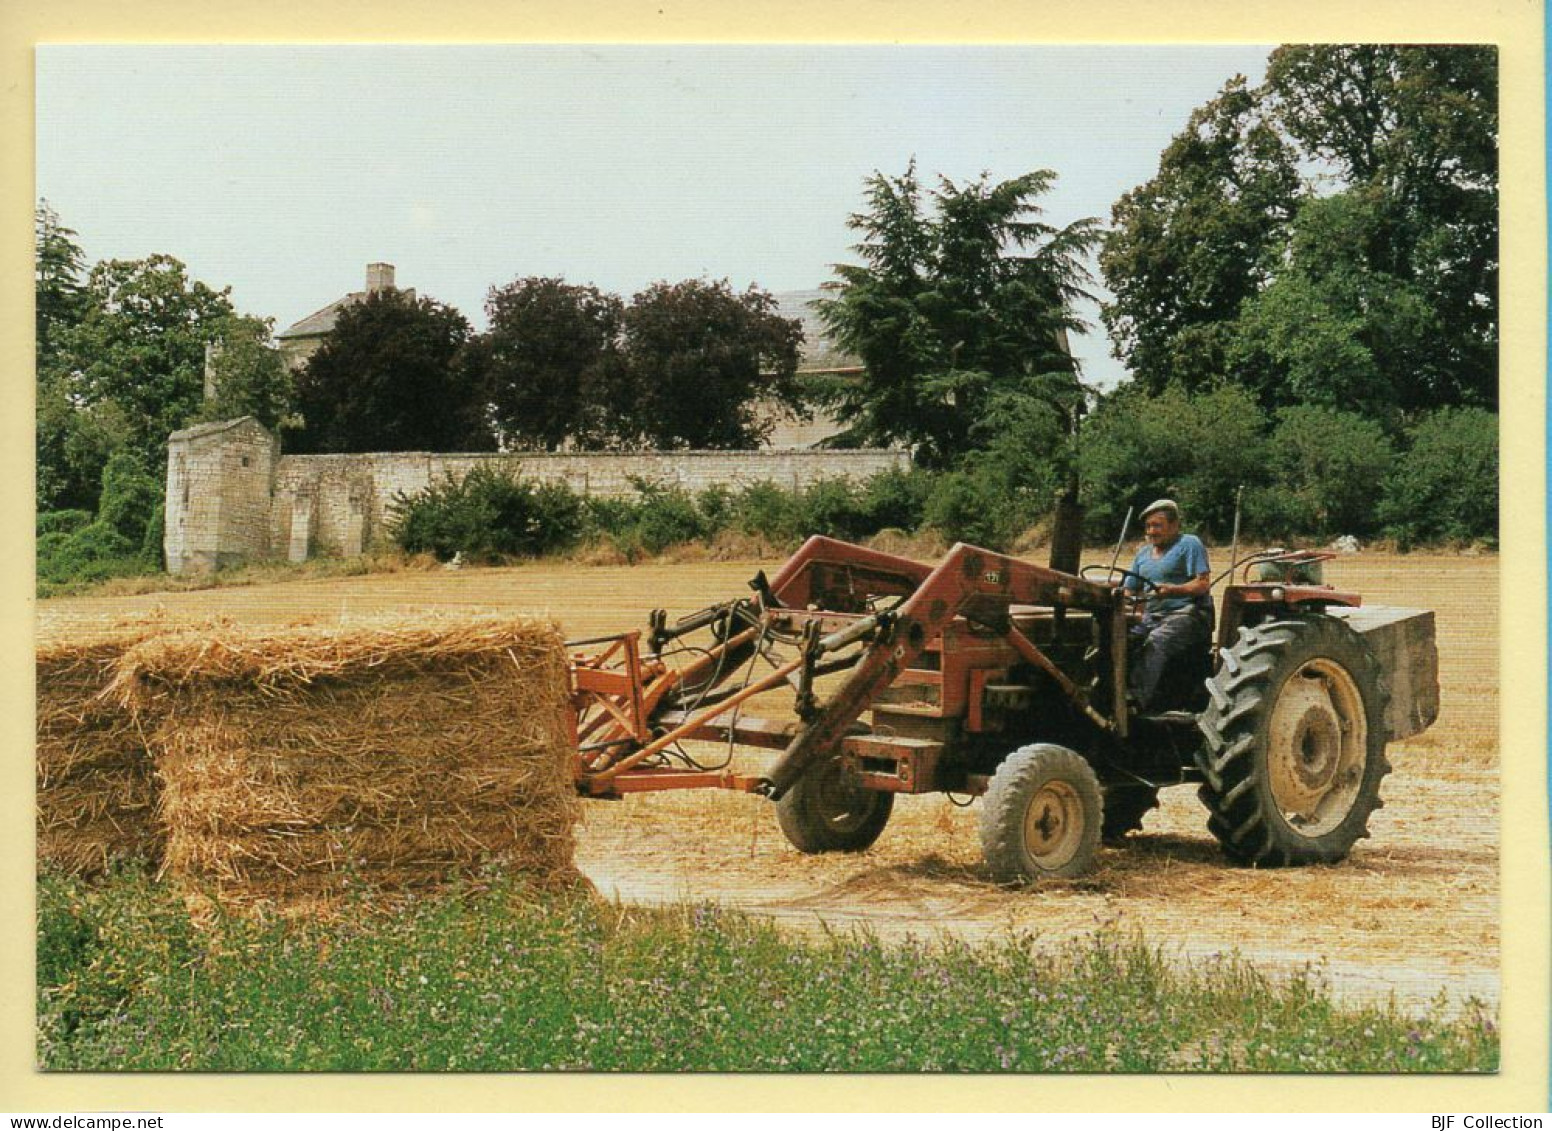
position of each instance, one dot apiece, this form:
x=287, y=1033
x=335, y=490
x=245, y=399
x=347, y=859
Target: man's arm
x=1201, y=580
x=1197, y=586
x=1131, y=582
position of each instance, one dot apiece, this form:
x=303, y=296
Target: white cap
x=1168, y=506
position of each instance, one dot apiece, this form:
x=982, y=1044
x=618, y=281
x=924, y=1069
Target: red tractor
x=989, y=676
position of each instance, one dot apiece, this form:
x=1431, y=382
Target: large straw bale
x=383, y=755
x=96, y=788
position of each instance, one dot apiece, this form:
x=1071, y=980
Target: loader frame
x=836, y=607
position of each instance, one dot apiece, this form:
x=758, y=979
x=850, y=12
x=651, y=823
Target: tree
x=74, y=443
x=1420, y=120
x=1190, y=246
x=553, y=362
x=1373, y=284
x=58, y=267
x=1414, y=132
x=250, y=377
x=127, y=372
x=1445, y=487
x=70, y=457
x=1333, y=328
x=141, y=345
x=393, y=375
x=961, y=299
x=702, y=359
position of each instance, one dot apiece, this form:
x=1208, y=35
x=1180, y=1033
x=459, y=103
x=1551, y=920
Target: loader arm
x=843, y=578
x=971, y=582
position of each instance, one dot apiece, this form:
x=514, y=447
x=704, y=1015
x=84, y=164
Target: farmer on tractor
x=1172, y=641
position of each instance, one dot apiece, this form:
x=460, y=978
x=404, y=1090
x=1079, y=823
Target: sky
x=282, y=171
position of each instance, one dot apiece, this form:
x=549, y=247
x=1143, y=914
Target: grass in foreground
x=502, y=980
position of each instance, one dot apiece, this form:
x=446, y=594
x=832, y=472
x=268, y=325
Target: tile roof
x=321, y=321
x=212, y=428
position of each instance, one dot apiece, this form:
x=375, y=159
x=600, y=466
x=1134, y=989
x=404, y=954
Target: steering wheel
x=1112, y=571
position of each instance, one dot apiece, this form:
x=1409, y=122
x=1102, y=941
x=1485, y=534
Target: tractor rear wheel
x=1041, y=816
x=829, y=810
x=1125, y=807
x=1294, y=747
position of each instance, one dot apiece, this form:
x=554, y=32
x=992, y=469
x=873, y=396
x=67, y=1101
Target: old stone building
x=819, y=357
x=301, y=340
x=219, y=494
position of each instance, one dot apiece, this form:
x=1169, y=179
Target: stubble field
x=1413, y=913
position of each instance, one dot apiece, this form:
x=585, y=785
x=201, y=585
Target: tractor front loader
x=994, y=677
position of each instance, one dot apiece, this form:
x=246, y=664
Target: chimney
x=212, y=351
x=379, y=277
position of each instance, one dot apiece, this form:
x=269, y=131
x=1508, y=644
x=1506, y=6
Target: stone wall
x=232, y=497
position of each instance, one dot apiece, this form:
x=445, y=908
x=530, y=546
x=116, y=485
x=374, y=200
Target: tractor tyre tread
x=1232, y=758
x=1012, y=787
x=804, y=815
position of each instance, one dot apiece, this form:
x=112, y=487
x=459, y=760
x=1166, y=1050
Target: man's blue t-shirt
x=1182, y=562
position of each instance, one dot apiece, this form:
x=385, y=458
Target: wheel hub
x=1053, y=824
x=846, y=803
x=1317, y=750
x=1317, y=736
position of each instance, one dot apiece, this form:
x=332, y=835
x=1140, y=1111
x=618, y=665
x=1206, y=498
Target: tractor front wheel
x=1041, y=816
x=829, y=810
x=1294, y=747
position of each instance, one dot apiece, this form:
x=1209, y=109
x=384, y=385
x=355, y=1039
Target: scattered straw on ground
x=1414, y=911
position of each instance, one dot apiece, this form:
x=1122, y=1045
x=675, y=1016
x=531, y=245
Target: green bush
x=965, y=507
x=897, y=499
x=1324, y=468
x=129, y=496
x=768, y=510
x=836, y=508
x=954, y=508
x=667, y=516
x=1197, y=449
x=992, y=498
x=661, y=516
x=605, y=516
x=1445, y=487
x=72, y=551
x=93, y=553
x=716, y=506
x=62, y=522
x=488, y=514
x=49, y=546
x=152, y=546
